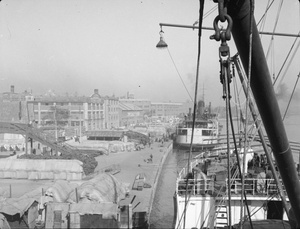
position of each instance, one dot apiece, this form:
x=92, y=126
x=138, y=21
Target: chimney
x=12, y=89
x=201, y=108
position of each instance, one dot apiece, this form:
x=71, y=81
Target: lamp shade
x=161, y=43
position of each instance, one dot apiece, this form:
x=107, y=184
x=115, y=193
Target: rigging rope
x=264, y=16
x=206, y=15
x=179, y=74
x=287, y=58
x=210, y=11
x=247, y=105
x=195, y=98
x=238, y=164
x=226, y=84
x=239, y=114
x=291, y=96
x=275, y=26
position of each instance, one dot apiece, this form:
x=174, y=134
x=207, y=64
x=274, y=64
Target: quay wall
x=158, y=173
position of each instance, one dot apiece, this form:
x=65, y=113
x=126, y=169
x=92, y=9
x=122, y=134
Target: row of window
x=204, y=132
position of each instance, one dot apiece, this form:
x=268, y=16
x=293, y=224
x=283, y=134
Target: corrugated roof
x=105, y=133
x=129, y=107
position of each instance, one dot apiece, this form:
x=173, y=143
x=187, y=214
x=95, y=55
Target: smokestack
x=12, y=89
x=190, y=112
x=201, y=106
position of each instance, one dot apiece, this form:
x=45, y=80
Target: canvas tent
x=41, y=169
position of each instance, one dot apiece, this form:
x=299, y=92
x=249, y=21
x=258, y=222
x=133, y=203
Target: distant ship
x=206, y=129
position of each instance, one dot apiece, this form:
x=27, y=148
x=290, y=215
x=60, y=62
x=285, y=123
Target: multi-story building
x=13, y=109
x=13, y=105
x=144, y=104
x=165, y=111
x=111, y=113
x=81, y=113
x=130, y=115
x=12, y=96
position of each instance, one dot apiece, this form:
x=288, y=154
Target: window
x=182, y=132
x=206, y=133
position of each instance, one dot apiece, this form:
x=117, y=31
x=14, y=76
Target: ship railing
x=194, y=186
x=254, y=186
x=184, y=172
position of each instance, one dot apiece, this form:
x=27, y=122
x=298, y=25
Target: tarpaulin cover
x=117, y=146
x=3, y=222
x=60, y=190
x=102, y=188
x=41, y=169
x=12, y=206
x=106, y=146
x=41, y=165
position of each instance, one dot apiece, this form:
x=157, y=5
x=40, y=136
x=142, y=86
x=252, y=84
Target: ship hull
x=205, y=211
x=203, y=202
x=204, y=136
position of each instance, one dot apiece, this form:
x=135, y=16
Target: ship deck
x=212, y=180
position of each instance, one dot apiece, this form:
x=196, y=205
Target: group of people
x=258, y=161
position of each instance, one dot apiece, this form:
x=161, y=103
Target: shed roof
x=105, y=133
x=129, y=107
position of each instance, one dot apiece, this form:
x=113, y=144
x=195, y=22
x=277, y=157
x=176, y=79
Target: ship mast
x=264, y=95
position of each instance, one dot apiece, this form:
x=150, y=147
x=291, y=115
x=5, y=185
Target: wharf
x=126, y=166
x=130, y=165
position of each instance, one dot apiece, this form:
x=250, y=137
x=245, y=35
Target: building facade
x=165, y=111
x=130, y=115
x=13, y=105
x=144, y=104
x=80, y=113
x=111, y=112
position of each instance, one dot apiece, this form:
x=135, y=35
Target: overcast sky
x=77, y=46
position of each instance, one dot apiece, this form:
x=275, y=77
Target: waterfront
x=162, y=214
x=163, y=208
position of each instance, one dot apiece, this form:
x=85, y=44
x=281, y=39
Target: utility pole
x=55, y=122
x=80, y=122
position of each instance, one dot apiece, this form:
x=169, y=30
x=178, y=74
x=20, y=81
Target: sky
x=76, y=46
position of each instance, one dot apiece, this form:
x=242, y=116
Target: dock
x=138, y=170
x=139, y=173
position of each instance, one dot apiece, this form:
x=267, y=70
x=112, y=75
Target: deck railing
x=256, y=186
x=252, y=186
x=183, y=172
x=194, y=186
